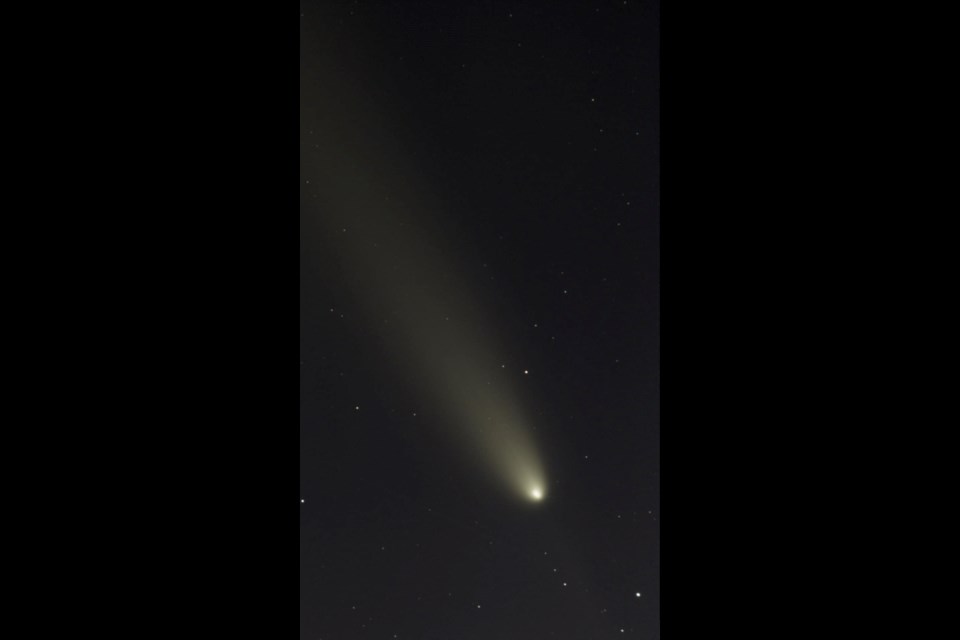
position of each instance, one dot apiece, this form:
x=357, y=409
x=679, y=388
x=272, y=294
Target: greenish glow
x=374, y=211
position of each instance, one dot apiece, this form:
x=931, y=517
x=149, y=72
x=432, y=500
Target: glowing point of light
x=536, y=494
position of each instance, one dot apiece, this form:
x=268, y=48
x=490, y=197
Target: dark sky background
x=514, y=147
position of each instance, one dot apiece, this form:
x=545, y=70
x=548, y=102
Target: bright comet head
x=536, y=494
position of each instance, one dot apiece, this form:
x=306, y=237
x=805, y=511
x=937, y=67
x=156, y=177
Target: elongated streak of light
x=368, y=210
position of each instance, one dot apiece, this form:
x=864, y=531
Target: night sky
x=479, y=320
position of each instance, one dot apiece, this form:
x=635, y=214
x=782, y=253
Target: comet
x=382, y=221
